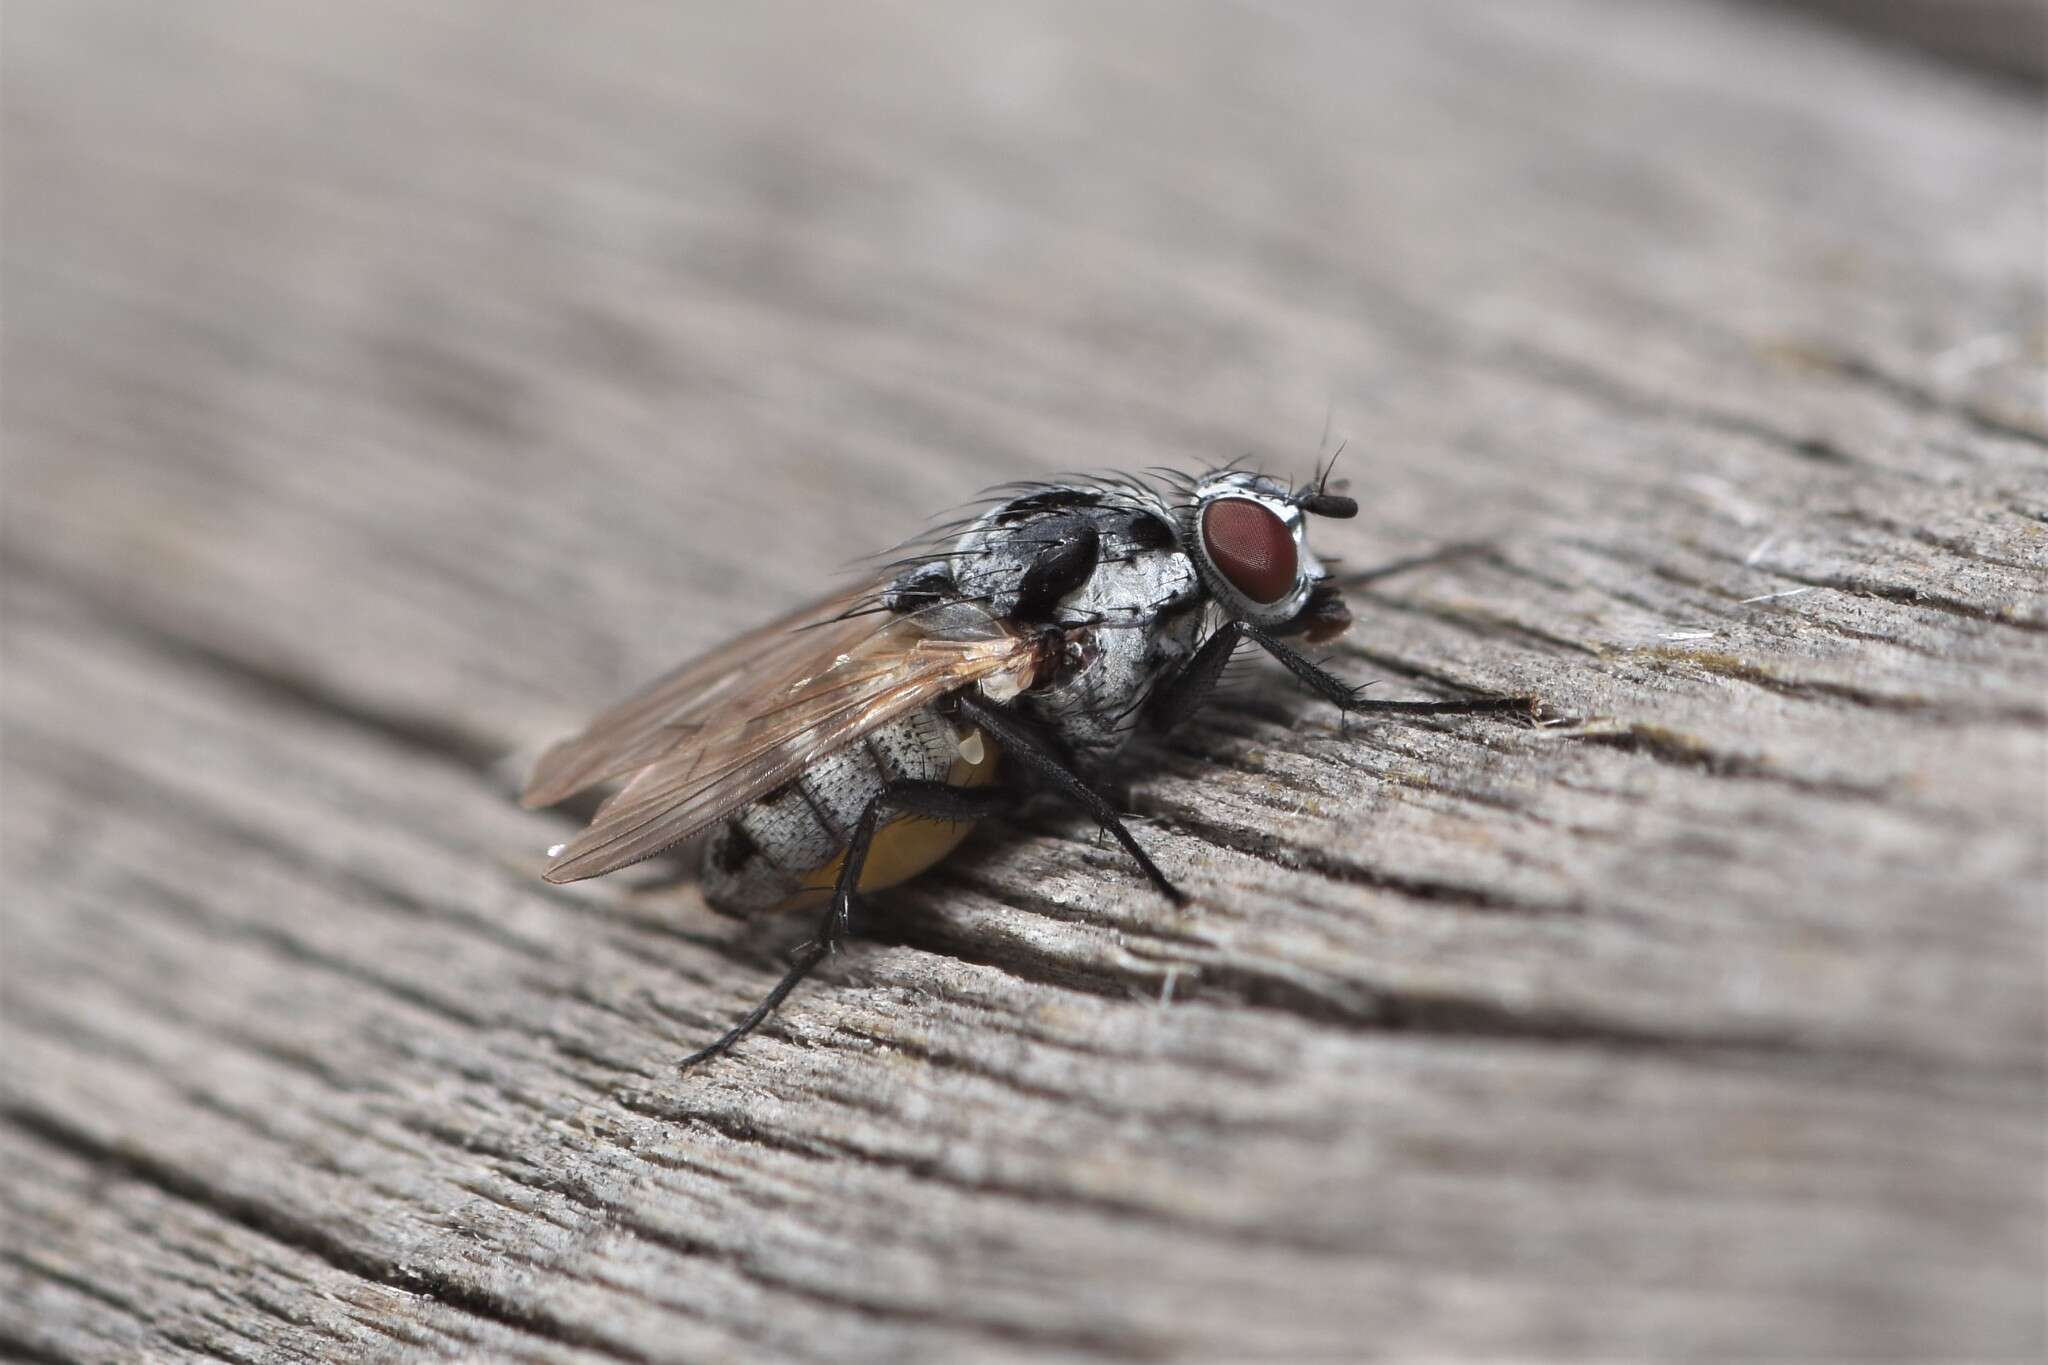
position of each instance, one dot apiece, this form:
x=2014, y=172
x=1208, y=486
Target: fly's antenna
x=1317, y=498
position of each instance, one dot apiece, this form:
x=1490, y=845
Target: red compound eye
x=1251, y=547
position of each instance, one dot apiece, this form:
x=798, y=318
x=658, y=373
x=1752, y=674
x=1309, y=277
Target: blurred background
x=318, y=313
x=386, y=385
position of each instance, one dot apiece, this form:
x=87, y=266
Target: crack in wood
x=1170, y=1119
x=1681, y=750
x=1295, y=856
x=1944, y=711
x=15, y=1346
x=1581, y=380
x=299, y=1234
x=1220, y=978
x=1486, y=624
x=58, y=1273
x=278, y=681
x=1909, y=596
x=1950, y=545
x=1901, y=594
x=934, y=1170
x=1835, y=360
x=1723, y=608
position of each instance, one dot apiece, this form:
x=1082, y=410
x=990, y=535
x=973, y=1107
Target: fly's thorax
x=1096, y=700
x=1135, y=619
x=1132, y=577
x=1103, y=573
x=1028, y=557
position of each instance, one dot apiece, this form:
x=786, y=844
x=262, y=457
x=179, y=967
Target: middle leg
x=1044, y=755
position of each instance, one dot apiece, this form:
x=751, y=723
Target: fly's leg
x=939, y=801
x=905, y=796
x=1044, y=755
x=1181, y=695
x=1186, y=690
x=801, y=962
x=1349, y=698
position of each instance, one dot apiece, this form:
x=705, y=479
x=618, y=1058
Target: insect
x=853, y=743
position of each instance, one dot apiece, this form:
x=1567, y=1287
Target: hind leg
x=934, y=800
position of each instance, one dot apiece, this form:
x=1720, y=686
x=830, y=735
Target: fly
x=853, y=743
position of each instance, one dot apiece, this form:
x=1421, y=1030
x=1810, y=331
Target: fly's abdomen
x=785, y=849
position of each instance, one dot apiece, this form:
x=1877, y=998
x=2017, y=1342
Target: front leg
x=1183, y=693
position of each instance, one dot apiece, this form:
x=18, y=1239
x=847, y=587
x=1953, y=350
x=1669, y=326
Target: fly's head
x=1248, y=537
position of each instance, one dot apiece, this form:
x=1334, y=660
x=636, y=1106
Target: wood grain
x=387, y=387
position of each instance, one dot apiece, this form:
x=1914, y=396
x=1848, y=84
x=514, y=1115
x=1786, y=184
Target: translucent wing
x=668, y=710
x=753, y=714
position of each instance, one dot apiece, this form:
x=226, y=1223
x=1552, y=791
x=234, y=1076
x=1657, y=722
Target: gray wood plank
x=385, y=390
x=2005, y=38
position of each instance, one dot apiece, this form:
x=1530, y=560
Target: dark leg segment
x=1187, y=689
x=801, y=962
x=1350, y=698
x=938, y=800
x=1040, y=753
x=1181, y=695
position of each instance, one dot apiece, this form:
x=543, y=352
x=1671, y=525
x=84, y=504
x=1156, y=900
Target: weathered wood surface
x=385, y=389
x=2006, y=37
